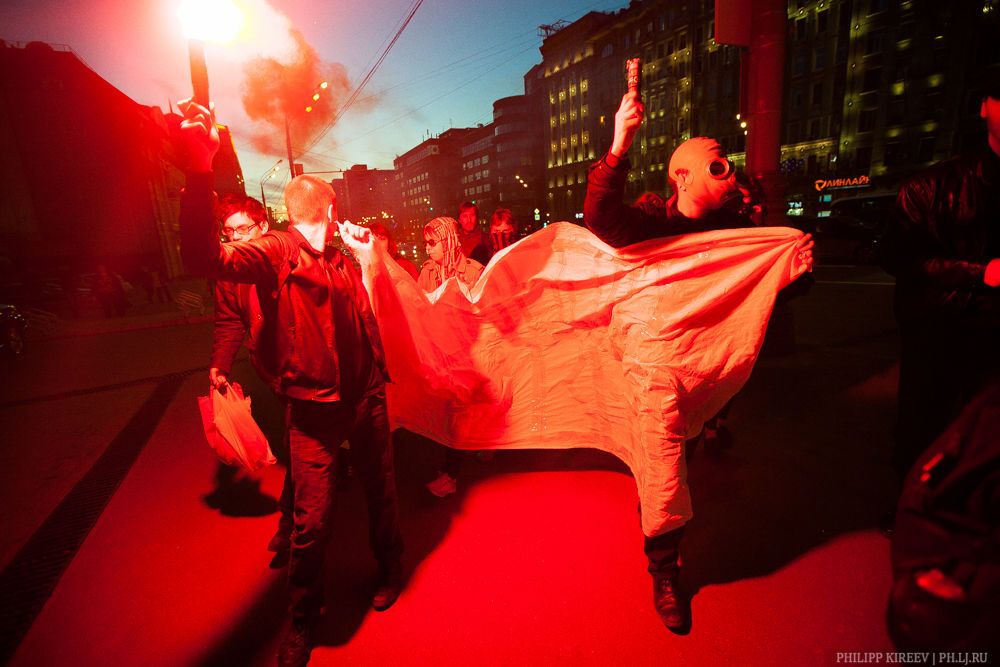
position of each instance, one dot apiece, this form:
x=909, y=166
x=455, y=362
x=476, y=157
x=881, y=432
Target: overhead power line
x=368, y=76
x=479, y=56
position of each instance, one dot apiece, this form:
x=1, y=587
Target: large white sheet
x=566, y=342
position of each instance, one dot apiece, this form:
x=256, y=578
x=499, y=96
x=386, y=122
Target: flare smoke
x=273, y=90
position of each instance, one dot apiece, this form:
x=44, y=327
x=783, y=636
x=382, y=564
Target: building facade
x=478, y=177
x=429, y=180
x=367, y=195
x=518, y=137
x=874, y=90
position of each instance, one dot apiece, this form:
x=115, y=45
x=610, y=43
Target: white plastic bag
x=231, y=430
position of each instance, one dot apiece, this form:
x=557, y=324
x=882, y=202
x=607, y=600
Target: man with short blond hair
x=320, y=344
x=307, y=198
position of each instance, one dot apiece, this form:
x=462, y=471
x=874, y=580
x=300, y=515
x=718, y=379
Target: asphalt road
x=783, y=551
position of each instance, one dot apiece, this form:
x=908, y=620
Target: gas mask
x=703, y=173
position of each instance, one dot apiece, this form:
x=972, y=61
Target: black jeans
x=315, y=431
x=663, y=552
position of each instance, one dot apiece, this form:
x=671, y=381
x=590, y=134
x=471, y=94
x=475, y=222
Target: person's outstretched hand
x=804, y=252
x=199, y=135
x=628, y=118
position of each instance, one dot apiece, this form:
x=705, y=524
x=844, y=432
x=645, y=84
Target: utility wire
x=371, y=72
x=481, y=56
x=429, y=102
x=317, y=155
x=398, y=118
x=385, y=40
x=307, y=151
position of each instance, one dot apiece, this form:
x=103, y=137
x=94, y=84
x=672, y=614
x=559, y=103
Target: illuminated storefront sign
x=842, y=183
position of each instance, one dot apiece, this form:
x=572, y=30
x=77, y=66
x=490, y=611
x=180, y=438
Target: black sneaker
x=295, y=647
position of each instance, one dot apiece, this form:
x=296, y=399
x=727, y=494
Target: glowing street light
x=266, y=177
x=288, y=133
x=206, y=21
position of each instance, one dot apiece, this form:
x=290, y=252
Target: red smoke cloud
x=273, y=90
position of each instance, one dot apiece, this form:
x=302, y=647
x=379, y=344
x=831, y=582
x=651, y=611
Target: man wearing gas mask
x=703, y=181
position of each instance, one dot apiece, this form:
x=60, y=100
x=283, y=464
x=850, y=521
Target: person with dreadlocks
x=446, y=260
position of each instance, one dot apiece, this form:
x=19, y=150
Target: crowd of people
x=314, y=335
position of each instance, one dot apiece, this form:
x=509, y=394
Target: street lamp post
x=288, y=134
x=267, y=176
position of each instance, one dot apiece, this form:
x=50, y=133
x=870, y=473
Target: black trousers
x=315, y=431
x=663, y=552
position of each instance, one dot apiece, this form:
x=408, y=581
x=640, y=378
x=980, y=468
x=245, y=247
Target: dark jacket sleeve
x=204, y=254
x=481, y=253
x=913, y=251
x=230, y=330
x=605, y=213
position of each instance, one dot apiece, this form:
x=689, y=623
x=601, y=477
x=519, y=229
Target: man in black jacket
x=943, y=245
x=320, y=343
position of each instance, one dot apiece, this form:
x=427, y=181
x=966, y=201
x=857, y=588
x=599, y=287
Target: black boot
x=388, y=585
x=671, y=603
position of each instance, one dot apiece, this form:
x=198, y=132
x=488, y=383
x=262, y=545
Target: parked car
x=842, y=239
x=874, y=207
x=12, y=326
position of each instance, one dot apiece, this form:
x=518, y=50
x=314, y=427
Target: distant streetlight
x=267, y=176
x=288, y=133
